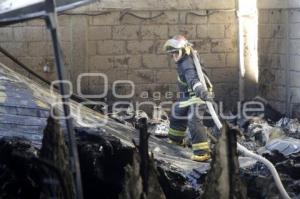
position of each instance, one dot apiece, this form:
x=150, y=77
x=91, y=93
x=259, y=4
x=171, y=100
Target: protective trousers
x=190, y=117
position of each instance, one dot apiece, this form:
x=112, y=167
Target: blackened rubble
x=107, y=153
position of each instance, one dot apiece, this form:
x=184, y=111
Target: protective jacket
x=189, y=109
x=187, y=78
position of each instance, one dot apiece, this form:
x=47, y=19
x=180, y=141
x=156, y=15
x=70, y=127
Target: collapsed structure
x=108, y=150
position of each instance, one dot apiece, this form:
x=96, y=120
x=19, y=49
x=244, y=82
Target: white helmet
x=176, y=43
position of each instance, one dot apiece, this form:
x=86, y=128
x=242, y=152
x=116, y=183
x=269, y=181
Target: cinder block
x=158, y=46
x=66, y=50
x=280, y=77
x=232, y=59
x=261, y=46
x=99, y=33
x=141, y=76
x=111, y=18
x=30, y=33
x=134, y=17
x=98, y=63
x=294, y=46
x=231, y=30
x=295, y=79
x=128, y=32
x=144, y=92
x=166, y=17
x=263, y=16
x=16, y=48
x=276, y=61
x=155, y=61
x=272, y=31
x=65, y=33
x=202, y=45
x=195, y=17
x=93, y=86
x=216, y=31
x=39, y=49
x=224, y=75
x=37, y=63
x=295, y=62
x=220, y=4
x=128, y=61
x=295, y=92
x=154, y=32
x=6, y=34
x=92, y=48
x=225, y=45
x=116, y=74
x=189, y=31
x=173, y=88
x=135, y=61
x=276, y=93
x=221, y=17
x=168, y=76
x=294, y=16
x=264, y=31
x=108, y=47
x=295, y=30
x=202, y=31
x=137, y=47
x=278, y=16
x=65, y=20
x=213, y=60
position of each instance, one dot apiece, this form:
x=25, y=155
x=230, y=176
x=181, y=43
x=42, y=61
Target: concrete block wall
x=279, y=58
x=273, y=56
x=128, y=45
x=30, y=43
x=131, y=48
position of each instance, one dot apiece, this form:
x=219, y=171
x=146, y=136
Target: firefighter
x=189, y=109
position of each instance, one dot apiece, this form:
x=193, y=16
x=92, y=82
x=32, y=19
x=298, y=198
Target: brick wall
x=128, y=45
x=279, y=58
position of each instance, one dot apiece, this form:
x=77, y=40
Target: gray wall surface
x=124, y=40
x=279, y=51
x=127, y=45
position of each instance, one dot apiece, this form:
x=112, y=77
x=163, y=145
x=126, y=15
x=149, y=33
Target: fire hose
x=244, y=151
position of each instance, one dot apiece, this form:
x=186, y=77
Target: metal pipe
x=51, y=21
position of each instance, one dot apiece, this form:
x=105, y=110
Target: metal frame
x=47, y=9
x=51, y=21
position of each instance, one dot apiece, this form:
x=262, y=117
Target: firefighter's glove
x=208, y=96
x=204, y=94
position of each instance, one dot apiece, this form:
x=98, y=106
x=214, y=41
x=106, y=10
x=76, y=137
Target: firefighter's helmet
x=176, y=43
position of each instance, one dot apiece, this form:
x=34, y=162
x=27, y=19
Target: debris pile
x=108, y=159
x=271, y=135
x=290, y=126
x=276, y=138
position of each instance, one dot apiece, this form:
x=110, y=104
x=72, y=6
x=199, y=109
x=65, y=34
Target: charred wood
x=223, y=180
